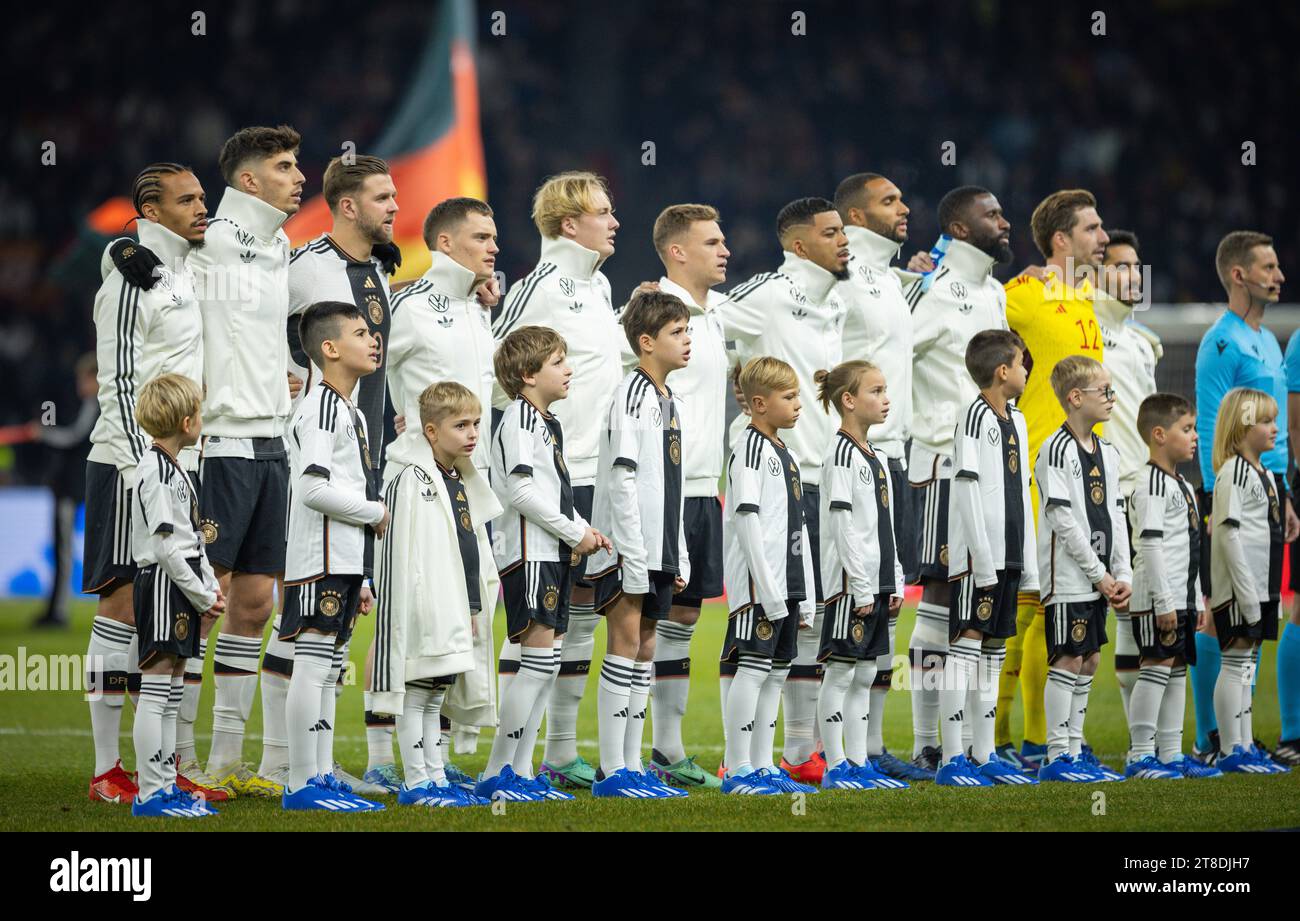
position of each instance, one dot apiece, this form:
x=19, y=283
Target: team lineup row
x=835, y=297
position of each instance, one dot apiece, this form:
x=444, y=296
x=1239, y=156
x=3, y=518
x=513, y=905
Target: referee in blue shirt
x=1238, y=352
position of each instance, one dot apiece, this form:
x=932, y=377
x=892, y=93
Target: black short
x=655, y=604
x=811, y=502
x=107, y=561
x=1230, y=625
x=1076, y=628
x=702, y=520
x=845, y=635
x=536, y=592
x=1154, y=643
x=930, y=523
x=583, y=497
x=904, y=521
x=328, y=605
x=166, y=623
x=244, y=506
x=991, y=611
x=750, y=632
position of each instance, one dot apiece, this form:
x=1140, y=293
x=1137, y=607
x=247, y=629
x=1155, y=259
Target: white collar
x=169, y=247
x=814, y=281
x=251, y=213
x=969, y=263
x=446, y=274
x=570, y=257
x=713, y=298
x=873, y=249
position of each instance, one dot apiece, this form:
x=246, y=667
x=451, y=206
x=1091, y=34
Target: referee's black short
x=1294, y=547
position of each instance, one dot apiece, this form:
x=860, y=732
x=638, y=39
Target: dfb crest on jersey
x=330, y=603
x=375, y=309
x=763, y=629
x=773, y=466
x=958, y=290
x=567, y=287
x=439, y=302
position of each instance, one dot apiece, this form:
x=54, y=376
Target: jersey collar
x=875, y=251
x=969, y=263
x=570, y=257
x=251, y=213
x=167, y=246
x=814, y=281
x=446, y=274
x=714, y=298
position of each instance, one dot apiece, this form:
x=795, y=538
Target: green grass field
x=45, y=763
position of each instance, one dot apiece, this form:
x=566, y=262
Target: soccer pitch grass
x=45, y=764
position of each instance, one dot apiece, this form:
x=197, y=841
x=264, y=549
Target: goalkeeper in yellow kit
x=1052, y=311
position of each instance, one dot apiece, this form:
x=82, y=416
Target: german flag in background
x=433, y=146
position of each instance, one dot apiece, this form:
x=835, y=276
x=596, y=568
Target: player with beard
x=878, y=329
x=350, y=264
x=795, y=314
x=960, y=299
x=1053, y=313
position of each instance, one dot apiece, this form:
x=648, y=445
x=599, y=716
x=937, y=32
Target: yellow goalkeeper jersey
x=1055, y=321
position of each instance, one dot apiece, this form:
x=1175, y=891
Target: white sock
x=1079, y=712
x=106, y=687
x=313, y=661
x=328, y=708
x=830, y=708
x=726, y=672
x=379, y=734
x=769, y=700
x=133, y=669
x=1057, y=698
x=1169, y=722
x=1247, y=728
x=883, y=670
x=148, y=733
x=672, y=686
x=235, y=678
x=859, y=712
x=799, y=697
x=507, y=666
x=517, y=707
x=275, y=688
x=614, y=691
x=523, y=759
x=1144, y=709
x=433, y=763
x=189, y=711
x=1125, y=647
x=411, y=735
x=1228, y=697
x=928, y=645
x=570, y=685
x=742, y=710
x=170, y=761
x=638, y=695
x=982, y=701
x=959, y=668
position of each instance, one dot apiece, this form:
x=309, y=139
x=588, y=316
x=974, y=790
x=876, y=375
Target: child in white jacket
x=437, y=584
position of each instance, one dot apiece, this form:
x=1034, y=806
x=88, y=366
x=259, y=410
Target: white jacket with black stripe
x=568, y=293
x=423, y=624
x=138, y=335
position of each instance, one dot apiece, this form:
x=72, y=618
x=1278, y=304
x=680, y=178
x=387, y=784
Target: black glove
x=135, y=262
x=388, y=255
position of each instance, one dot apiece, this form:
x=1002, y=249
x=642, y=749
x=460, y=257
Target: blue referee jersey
x=1231, y=355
